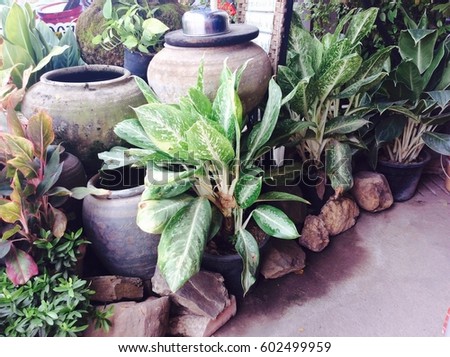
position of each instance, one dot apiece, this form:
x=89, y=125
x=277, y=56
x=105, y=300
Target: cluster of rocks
x=203, y=304
x=370, y=192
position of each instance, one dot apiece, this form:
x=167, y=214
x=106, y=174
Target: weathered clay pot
x=110, y=224
x=174, y=69
x=85, y=102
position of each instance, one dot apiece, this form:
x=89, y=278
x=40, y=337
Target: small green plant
x=132, y=25
x=56, y=301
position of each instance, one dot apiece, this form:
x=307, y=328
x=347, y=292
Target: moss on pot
x=91, y=21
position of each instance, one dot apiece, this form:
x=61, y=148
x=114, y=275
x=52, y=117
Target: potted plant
x=327, y=82
x=37, y=46
x=203, y=181
x=133, y=25
x=413, y=102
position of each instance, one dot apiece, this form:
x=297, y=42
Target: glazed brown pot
x=85, y=102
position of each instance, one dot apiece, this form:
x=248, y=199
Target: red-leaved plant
x=29, y=171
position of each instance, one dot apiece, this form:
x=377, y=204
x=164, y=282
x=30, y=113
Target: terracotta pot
x=85, y=102
x=57, y=19
x=403, y=179
x=110, y=225
x=174, y=69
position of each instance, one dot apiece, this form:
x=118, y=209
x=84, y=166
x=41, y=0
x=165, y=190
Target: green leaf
x=305, y=52
x=362, y=85
x=165, y=125
x=248, y=189
x=146, y=90
x=11, y=232
x=79, y=193
x=298, y=98
x=262, y=131
x=438, y=142
x=153, y=215
x=225, y=109
x=441, y=98
x=9, y=211
x=344, y=124
x=361, y=24
x=389, y=128
x=248, y=249
x=408, y=73
x=337, y=73
x=22, y=151
x=280, y=196
x=52, y=172
x=418, y=45
x=16, y=28
x=20, y=266
x=373, y=65
x=133, y=133
x=201, y=102
x=207, y=143
x=275, y=222
x=182, y=243
x=338, y=165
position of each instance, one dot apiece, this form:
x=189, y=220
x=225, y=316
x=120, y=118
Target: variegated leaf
x=133, y=133
x=361, y=24
x=248, y=249
x=207, y=143
x=280, y=196
x=20, y=266
x=153, y=215
x=182, y=243
x=344, y=124
x=418, y=46
x=248, y=189
x=338, y=165
x=275, y=222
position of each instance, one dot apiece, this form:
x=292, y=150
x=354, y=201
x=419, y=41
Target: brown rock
x=145, y=319
x=110, y=288
x=314, y=236
x=371, y=191
x=283, y=257
x=204, y=294
x=192, y=325
x=339, y=214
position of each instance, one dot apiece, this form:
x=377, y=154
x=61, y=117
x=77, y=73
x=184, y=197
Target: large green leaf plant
x=28, y=42
x=203, y=181
x=415, y=99
x=327, y=82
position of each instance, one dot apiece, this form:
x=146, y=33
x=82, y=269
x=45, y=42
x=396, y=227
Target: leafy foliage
x=28, y=42
x=326, y=83
x=202, y=175
x=132, y=25
x=56, y=301
x=414, y=99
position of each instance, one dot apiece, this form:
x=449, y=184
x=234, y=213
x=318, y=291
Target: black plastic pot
x=230, y=267
x=403, y=179
x=137, y=62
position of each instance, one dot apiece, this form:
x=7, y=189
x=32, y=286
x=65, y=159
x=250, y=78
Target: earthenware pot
x=85, y=102
x=110, y=224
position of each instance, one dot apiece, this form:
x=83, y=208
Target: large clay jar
x=110, y=225
x=85, y=102
x=174, y=69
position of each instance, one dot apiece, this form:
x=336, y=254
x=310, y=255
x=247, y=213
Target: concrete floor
x=387, y=276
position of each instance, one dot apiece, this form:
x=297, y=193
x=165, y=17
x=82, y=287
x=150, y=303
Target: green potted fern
x=203, y=183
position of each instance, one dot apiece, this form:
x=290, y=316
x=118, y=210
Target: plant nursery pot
x=85, y=102
x=110, y=225
x=137, y=62
x=230, y=267
x=403, y=179
x=57, y=19
x=174, y=69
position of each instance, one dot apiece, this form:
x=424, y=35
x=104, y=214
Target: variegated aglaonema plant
x=202, y=180
x=327, y=81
